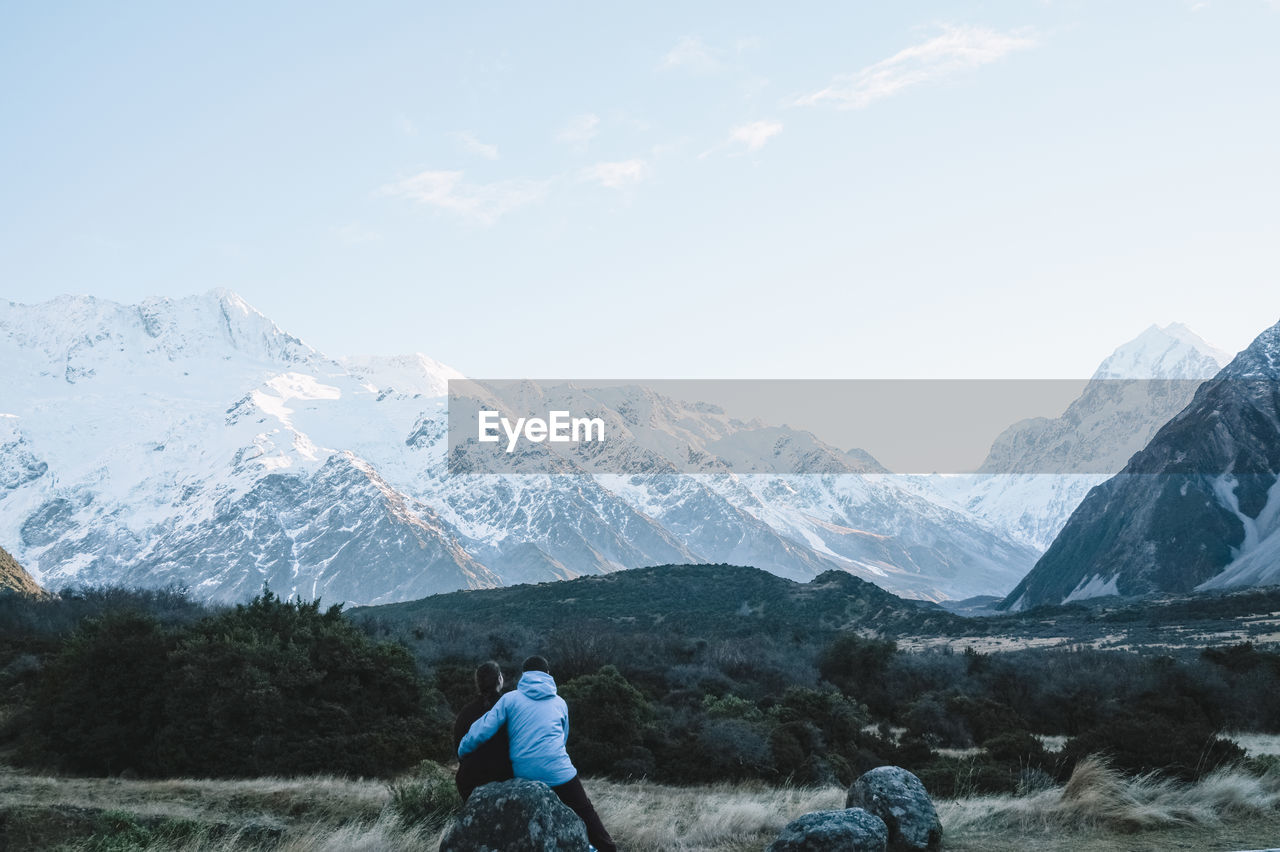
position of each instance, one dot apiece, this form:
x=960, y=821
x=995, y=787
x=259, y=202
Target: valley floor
x=1097, y=811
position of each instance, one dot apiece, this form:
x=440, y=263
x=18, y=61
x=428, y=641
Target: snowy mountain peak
x=81, y=338
x=1261, y=359
x=1197, y=508
x=414, y=374
x=1170, y=352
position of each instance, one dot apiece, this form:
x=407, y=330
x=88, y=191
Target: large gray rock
x=515, y=816
x=851, y=830
x=897, y=797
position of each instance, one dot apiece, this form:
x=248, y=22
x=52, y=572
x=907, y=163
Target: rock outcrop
x=897, y=797
x=15, y=579
x=850, y=830
x=515, y=816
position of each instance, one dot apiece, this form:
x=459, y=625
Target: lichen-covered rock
x=850, y=830
x=515, y=816
x=897, y=797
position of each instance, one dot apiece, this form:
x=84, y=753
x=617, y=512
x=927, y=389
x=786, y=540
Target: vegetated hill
x=1195, y=510
x=728, y=601
x=724, y=600
x=13, y=577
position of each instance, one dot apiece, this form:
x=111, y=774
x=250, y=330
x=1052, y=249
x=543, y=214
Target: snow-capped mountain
x=415, y=375
x=795, y=525
x=192, y=442
x=1197, y=508
x=1039, y=470
x=183, y=442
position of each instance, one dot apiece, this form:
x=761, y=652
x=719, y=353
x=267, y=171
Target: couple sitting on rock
x=522, y=734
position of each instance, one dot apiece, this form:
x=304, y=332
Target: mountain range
x=1039, y=470
x=191, y=442
x=1197, y=508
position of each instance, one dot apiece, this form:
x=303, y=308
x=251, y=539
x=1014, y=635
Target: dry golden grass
x=646, y=817
x=1101, y=809
x=316, y=798
x=1098, y=809
x=383, y=834
x=334, y=815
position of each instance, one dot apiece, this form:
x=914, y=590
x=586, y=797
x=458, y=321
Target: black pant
x=572, y=794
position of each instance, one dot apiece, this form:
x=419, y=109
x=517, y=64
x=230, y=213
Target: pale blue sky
x=960, y=189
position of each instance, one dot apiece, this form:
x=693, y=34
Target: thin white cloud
x=755, y=134
x=469, y=143
x=957, y=49
x=745, y=138
x=693, y=53
x=480, y=203
x=579, y=130
x=617, y=175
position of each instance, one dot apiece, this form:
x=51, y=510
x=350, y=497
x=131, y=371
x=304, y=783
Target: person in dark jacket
x=537, y=723
x=491, y=761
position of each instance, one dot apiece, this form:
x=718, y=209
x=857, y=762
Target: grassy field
x=1096, y=810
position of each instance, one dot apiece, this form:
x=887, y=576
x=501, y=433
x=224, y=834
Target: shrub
x=271, y=687
x=121, y=831
x=929, y=717
x=277, y=687
x=731, y=749
x=1018, y=747
x=607, y=721
x=1141, y=742
x=956, y=777
x=857, y=667
x=984, y=717
x=100, y=702
x=427, y=799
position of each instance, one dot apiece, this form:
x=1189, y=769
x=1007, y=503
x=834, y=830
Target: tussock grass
x=385, y=834
x=1097, y=797
x=1098, y=808
x=319, y=798
x=646, y=817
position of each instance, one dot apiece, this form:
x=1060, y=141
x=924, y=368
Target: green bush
x=121, y=831
x=857, y=667
x=100, y=703
x=428, y=799
x=607, y=722
x=278, y=687
x=985, y=717
x=269, y=688
x=1142, y=742
x=1017, y=747
x=951, y=777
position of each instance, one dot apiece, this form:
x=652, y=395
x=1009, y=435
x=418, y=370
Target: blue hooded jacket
x=537, y=723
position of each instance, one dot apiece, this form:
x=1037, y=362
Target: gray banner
x=806, y=426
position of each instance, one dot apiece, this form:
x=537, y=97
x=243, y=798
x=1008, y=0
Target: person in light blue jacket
x=537, y=721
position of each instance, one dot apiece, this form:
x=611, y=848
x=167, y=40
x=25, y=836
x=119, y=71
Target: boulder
x=850, y=830
x=897, y=797
x=515, y=816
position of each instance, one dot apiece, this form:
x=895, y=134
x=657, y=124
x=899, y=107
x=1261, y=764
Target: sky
x=653, y=190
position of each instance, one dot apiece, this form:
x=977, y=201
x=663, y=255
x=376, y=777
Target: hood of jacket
x=537, y=685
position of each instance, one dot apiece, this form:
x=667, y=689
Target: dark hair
x=487, y=677
x=536, y=664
